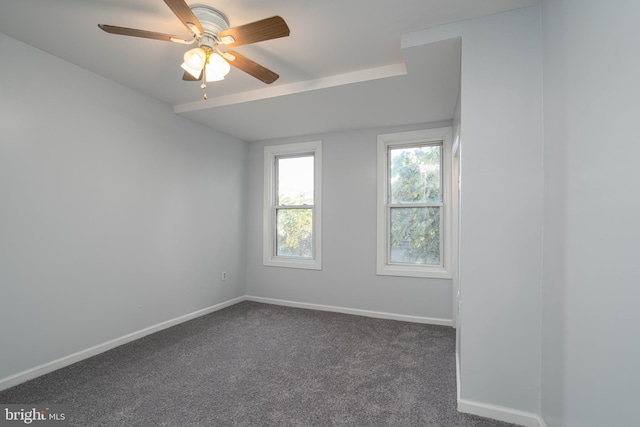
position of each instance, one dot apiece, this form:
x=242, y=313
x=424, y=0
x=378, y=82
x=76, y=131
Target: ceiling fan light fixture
x=216, y=68
x=210, y=29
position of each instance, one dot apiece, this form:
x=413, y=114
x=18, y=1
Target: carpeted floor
x=262, y=365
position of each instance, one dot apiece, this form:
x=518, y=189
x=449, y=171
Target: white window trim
x=268, y=240
x=383, y=267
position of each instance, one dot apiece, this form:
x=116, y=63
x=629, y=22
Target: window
x=414, y=198
x=292, y=200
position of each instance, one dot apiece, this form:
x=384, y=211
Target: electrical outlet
x=224, y=275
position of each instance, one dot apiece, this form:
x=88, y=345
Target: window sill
x=305, y=264
x=410, y=271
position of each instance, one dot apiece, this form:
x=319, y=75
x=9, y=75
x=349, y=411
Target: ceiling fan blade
x=112, y=29
x=252, y=68
x=266, y=29
x=184, y=14
x=189, y=78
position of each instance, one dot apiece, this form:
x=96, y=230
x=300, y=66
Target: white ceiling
x=341, y=68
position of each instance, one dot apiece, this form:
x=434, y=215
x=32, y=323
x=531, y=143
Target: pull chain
x=203, y=86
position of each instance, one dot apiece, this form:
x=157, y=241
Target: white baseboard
x=29, y=374
x=501, y=413
x=355, y=311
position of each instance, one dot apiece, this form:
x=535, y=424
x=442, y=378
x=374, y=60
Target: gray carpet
x=262, y=365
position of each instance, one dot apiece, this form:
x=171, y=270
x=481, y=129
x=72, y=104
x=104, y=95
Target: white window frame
x=271, y=153
x=383, y=265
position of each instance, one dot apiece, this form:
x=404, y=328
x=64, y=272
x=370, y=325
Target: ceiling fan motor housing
x=213, y=21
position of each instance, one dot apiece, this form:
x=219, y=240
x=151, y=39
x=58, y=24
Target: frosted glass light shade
x=194, y=60
x=195, y=73
x=216, y=68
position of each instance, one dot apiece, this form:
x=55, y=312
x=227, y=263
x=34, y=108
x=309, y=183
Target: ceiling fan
x=210, y=30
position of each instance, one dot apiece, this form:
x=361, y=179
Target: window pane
x=294, y=237
x=295, y=180
x=415, y=174
x=415, y=236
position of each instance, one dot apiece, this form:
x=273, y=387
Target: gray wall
x=590, y=338
x=116, y=214
x=501, y=210
x=348, y=277
x=501, y=207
